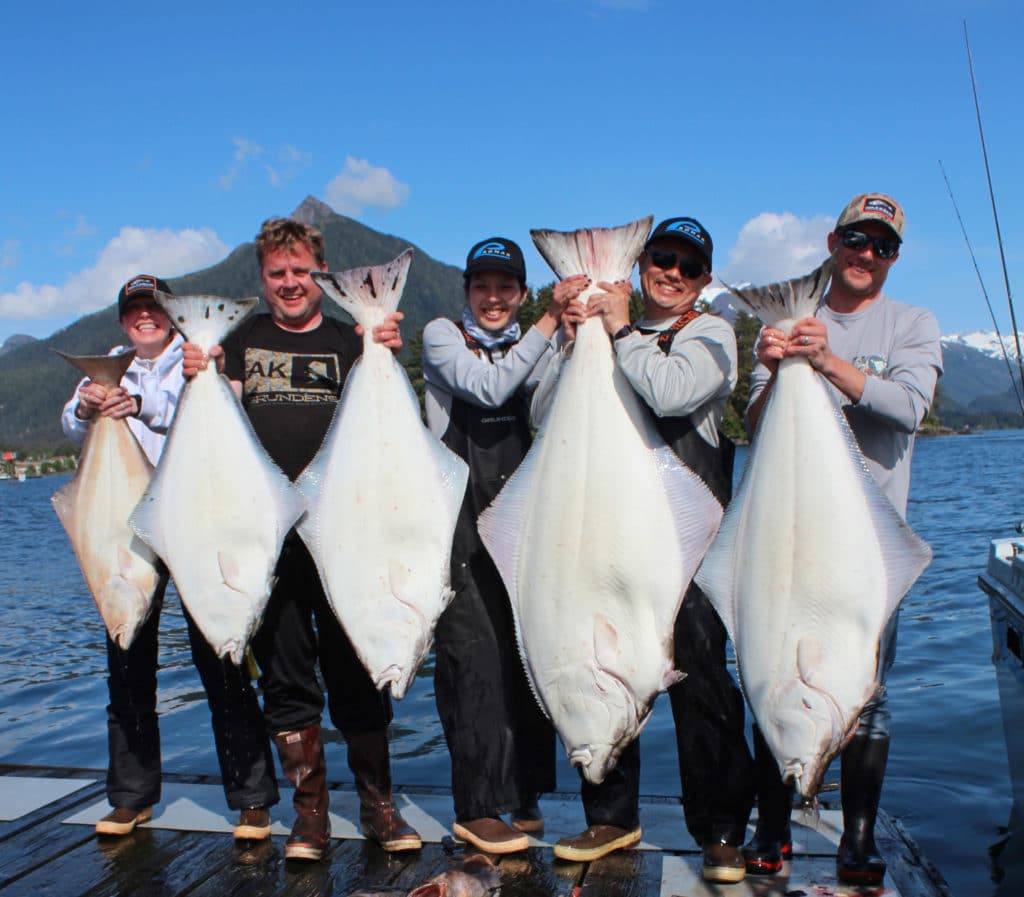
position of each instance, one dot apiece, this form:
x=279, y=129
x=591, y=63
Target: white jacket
x=157, y=382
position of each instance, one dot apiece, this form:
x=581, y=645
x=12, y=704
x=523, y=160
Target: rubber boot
x=863, y=769
x=370, y=762
x=302, y=760
x=772, y=843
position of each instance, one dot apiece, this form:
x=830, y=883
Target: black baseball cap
x=141, y=286
x=496, y=254
x=689, y=230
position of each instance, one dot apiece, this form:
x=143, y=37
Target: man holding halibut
x=883, y=359
x=682, y=364
x=288, y=368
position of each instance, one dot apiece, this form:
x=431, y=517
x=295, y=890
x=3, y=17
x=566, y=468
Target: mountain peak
x=313, y=211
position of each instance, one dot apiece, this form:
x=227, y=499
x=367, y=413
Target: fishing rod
x=995, y=214
x=984, y=292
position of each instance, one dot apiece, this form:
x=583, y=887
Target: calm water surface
x=948, y=777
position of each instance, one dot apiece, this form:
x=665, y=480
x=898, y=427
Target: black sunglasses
x=885, y=247
x=665, y=259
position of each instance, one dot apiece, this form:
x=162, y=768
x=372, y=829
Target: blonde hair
x=287, y=233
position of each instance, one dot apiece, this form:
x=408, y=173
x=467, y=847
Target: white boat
x=1003, y=582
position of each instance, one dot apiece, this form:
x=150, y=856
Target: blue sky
x=156, y=137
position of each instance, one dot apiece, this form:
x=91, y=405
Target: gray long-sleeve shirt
x=451, y=369
x=898, y=347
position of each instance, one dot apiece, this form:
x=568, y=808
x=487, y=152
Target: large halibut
x=598, y=532
x=113, y=472
x=218, y=508
x=811, y=560
x=383, y=496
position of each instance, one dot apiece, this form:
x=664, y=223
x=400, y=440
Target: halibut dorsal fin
x=776, y=304
x=368, y=294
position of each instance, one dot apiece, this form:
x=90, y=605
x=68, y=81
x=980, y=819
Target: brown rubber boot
x=370, y=761
x=302, y=759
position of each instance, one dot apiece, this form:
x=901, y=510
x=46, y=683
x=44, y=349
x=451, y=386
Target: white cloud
x=10, y=254
x=165, y=253
x=361, y=184
x=245, y=150
x=773, y=246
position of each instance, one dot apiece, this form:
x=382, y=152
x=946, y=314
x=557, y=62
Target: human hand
x=612, y=305
x=194, y=359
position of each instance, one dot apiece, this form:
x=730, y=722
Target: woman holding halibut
x=480, y=372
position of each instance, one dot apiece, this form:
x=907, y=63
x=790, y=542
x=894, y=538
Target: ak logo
x=493, y=248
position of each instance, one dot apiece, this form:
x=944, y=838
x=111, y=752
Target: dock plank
x=41, y=856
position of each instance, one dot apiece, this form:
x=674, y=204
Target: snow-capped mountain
x=986, y=342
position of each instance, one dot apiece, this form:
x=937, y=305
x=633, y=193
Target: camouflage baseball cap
x=873, y=207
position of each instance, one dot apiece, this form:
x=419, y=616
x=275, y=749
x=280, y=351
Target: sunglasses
x=665, y=259
x=884, y=247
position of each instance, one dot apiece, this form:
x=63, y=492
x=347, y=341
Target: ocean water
x=948, y=779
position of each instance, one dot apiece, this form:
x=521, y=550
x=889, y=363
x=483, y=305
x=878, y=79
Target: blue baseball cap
x=496, y=254
x=689, y=230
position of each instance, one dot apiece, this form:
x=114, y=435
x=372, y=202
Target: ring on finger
x=806, y=340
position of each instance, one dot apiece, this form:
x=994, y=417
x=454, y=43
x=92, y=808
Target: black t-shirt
x=290, y=383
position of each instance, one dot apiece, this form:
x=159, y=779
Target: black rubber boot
x=863, y=769
x=370, y=761
x=302, y=760
x=772, y=843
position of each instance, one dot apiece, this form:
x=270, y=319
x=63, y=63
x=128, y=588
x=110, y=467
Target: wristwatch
x=137, y=402
x=624, y=330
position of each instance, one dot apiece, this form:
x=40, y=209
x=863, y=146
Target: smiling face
x=494, y=298
x=667, y=293
x=147, y=326
x=859, y=274
x=293, y=297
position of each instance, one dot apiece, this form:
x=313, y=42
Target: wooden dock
x=48, y=848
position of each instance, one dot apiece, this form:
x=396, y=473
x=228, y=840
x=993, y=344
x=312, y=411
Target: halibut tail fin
x=368, y=294
x=602, y=253
x=787, y=300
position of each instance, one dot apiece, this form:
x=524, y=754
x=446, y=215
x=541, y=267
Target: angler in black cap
x=148, y=398
x=480, y=372
x=682, y=364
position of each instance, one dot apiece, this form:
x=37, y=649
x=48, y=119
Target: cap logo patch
x=140, y=283
x=878, y=206
x=493, y=250
x=687, y=228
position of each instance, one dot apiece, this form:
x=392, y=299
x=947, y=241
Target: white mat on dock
x=20, y=795
x=202, y=808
